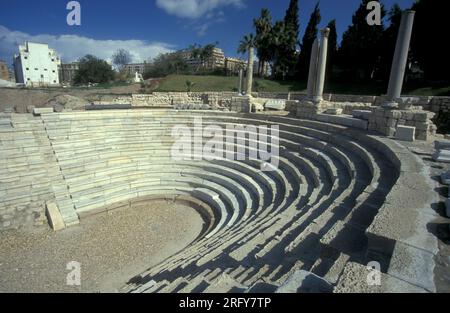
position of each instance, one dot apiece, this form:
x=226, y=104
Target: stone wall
x=240, y=104
x=216, y=100
x=386, y=122
x=376, y=118
x=429, y=103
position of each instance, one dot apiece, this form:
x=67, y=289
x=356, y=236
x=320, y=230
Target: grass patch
x=177, y=83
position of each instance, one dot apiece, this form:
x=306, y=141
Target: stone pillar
x=400, y=60
x=250, y=71
x=241, y=78
x=313, y=69
x=321, y=66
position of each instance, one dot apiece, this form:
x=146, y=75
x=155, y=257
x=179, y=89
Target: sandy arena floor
x=111, y=247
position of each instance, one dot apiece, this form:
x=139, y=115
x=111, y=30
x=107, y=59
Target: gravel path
x=111, y=247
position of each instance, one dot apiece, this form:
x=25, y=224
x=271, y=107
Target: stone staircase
x=329, y=204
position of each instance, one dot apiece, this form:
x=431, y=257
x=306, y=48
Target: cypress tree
x=307, y=43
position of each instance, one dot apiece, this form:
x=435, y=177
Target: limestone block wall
x=240, y=104
x=30, y=175
x=217, y=100
x=381, y=120
x=386, y=122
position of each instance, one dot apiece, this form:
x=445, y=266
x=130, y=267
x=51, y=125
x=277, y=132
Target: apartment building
x=36, y=65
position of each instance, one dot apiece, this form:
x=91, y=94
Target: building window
x=36, y=69
x=54, y=81
x=26, y=58
x=45, y=69
x=27, y=68
x=53, y=71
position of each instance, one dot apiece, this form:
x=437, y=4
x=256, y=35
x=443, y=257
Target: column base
x=390, y=105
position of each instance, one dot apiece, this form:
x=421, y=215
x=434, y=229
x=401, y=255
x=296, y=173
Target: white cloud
x=72, y=47
x=195, y=8
x=204, y=27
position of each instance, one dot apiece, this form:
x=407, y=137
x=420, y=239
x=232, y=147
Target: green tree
x=247, y=42
x=291, y=28
x=361, y=45
x=332, y=48
x=307, y=43
x=121, y=58
x=428, y=45
x=263, y=27
x=166, y=64
x=279, y=58
x=189, y=85
x=93, y=70
x=389, y=41
x=206, y=53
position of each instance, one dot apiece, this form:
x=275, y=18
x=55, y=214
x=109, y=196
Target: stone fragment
x=40, y=111
x=362, y=114
x=278, y=105
x=405, y=133
x=54, y=217
x=334, y=111
x=442, y=144
x=442, y=156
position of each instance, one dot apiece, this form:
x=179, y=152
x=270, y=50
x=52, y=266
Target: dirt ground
x=112, y=248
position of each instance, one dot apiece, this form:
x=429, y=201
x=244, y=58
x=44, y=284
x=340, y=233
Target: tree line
x=365, y=52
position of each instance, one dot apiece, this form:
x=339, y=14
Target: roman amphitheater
x=345, y=194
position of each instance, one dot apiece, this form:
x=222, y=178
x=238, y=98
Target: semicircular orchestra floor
x=110, y=247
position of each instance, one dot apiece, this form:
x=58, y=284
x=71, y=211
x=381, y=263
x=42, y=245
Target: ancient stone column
x=313, y=69
x=400, y=60
x=250, y=71
x=321, y=66
x=241, y=78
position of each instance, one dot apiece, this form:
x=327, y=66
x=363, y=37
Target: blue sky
x=149, y=27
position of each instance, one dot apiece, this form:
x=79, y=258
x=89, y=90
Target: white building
x=36, y=65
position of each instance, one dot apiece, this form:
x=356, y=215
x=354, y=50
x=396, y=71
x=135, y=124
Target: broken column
x=321, y=66
x=312, y=69
x=400, y=60
x=250, y=71
x=316, y=77
x=241, y=77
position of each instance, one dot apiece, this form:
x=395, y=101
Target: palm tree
x=196, y=51
x=247, y=44
x=206, y=53
x=263, y=26
x=189, y=85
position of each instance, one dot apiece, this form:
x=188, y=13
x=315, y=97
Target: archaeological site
x=243, y=191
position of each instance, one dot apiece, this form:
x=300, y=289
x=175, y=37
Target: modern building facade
x=140, y=68
x=4, y=72
x=67, y=72
x=36, y=65
x=233, y=65
x=216, y=61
